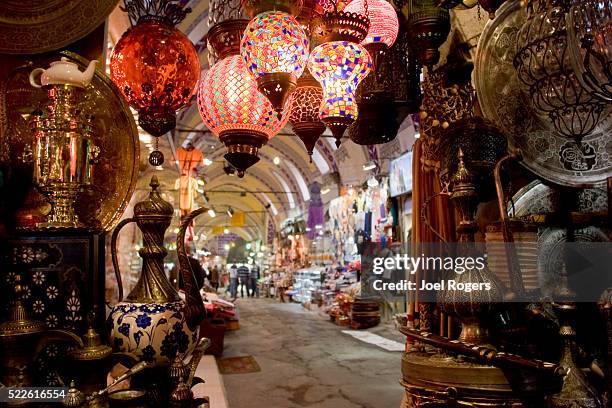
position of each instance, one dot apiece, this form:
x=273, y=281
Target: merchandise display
x=313, y=203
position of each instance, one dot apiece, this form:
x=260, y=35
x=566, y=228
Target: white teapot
x=63, y=72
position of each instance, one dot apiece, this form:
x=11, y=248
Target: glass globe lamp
x=339, y=66
x=155, y=67
x=275, y=49
x=384, y=25
x=234, y=110
x=304, y=114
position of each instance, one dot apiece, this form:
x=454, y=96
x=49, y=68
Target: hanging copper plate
x=546, y=153
x=34, y=26
x=114, y=132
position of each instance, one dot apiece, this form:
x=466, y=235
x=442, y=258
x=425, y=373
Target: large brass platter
x=115, y=132
x=35, y=26
x=545, y=152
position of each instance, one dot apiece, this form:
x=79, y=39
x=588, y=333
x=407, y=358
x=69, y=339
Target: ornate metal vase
x=152, y=323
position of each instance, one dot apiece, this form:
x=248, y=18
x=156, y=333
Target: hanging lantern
x=275, y=49
x=339, y=66
x=543, y=65
x=255, y=7
x=489, y=5
x=155, y=66
x=304, y=115
x=384, y=26
x=387, y=95
x=428, y=26
x=590, y=40
x=234, y=110
x=336, y=24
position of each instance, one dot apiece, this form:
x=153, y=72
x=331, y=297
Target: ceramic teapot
x=153, y=323
x=63, y=72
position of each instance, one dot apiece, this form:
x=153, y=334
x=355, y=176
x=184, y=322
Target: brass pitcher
x=153, y=322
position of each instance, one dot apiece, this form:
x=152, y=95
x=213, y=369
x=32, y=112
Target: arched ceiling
x=279, y=191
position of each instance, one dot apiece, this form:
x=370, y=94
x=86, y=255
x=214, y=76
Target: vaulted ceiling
x=276, y=190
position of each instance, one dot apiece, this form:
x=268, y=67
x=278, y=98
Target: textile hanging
x=315, y=210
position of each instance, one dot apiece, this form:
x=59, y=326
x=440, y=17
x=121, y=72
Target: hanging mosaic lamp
x=304, y=115
x=234, y=110
x=275, y=49
x=339, y=66
x=428, y=26
x=544, y=67
x=384, y=26
x=590, y=40
x=155, y=66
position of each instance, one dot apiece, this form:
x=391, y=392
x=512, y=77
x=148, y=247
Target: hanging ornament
x=384, y=26
x=459, y=4
x=255, y=7
x=339, y=66
x=543, y=65
x=304, y=115
x=590, y=40
x=428, y=26
x=336, y=24
x=155, y=66
x=234, y=110
x=275, y=49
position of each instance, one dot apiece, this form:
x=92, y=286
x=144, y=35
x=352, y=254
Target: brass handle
x=121, y=224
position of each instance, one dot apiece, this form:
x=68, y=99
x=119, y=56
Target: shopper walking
x=214, y=277
x=233, y=275
x=254, y=277
x=244, y=277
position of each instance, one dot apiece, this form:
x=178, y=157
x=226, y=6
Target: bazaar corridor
x=306, y=361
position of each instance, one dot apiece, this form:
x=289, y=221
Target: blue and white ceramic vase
x=153, y=323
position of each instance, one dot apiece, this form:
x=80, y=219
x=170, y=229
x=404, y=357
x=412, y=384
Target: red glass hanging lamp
x=275, y=49
x=155, y=66
x=230, y=103
x=384, y=26
x=304, y=115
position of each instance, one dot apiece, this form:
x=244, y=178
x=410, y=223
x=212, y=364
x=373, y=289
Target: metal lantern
x=387, y=95
x=336, y=24
x=544, y=66
x=428, y=26
x=384, y=25
x=339, y=66
x=155, y=66
x=255, y=7
x=304, y=115
x=275, y=49
x=590, y=40
x=234, y=110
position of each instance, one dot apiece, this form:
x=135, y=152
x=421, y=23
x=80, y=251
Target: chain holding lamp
x=155, y=66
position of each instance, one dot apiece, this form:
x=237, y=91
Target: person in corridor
x=244, y=277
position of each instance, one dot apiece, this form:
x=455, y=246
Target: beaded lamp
x=234, y=110
x=304, y=115
x=384, y=25
x=275, y=49
x=339, y=66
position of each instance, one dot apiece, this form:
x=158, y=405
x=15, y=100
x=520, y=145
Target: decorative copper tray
x=546, y=153
x=115, y=133
x=34, y=26
x=538, y=198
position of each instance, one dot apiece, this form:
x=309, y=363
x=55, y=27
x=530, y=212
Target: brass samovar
x=63, y=151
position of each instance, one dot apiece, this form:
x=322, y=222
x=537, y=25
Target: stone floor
x=306, y=361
